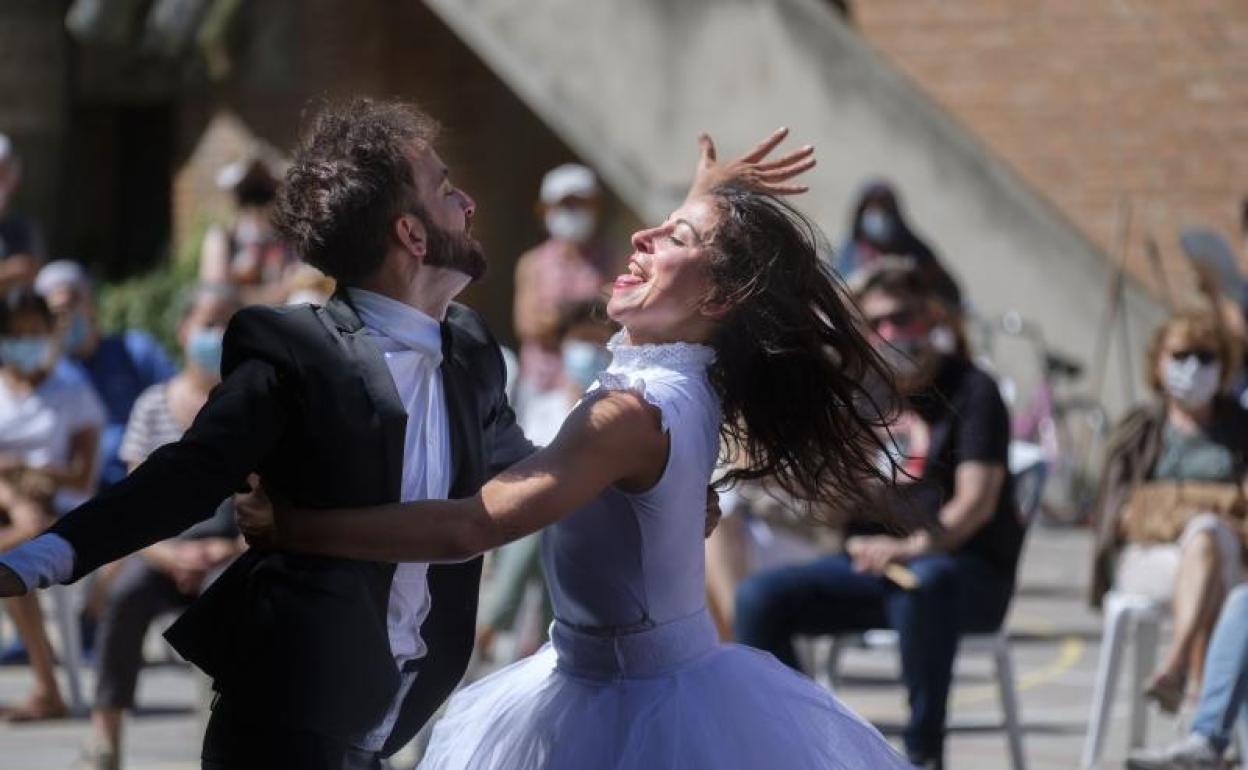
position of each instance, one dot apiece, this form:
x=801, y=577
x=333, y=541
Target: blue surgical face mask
x=203, y=348
x=26, y=355
x=77, y=331
x=582, y=361
x=878, y=225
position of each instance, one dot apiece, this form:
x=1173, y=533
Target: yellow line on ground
x=1069, y=653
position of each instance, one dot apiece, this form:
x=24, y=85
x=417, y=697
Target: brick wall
x=1093, y=102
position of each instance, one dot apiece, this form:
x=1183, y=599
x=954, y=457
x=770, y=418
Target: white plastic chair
x=65, y=609
x=1128, y=618
x=823, y=659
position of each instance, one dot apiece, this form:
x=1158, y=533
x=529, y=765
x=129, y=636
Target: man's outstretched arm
x=179, y=484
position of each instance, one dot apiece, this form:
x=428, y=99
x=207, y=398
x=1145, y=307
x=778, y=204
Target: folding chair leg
x=1009, y=703
x=1117, y=620
x=834, y=662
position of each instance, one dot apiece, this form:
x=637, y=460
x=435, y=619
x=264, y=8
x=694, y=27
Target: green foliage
x=151, y=301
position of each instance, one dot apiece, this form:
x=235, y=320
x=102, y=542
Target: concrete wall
x=629, y=83
x=291, y=53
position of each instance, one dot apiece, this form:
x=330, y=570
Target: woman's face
x=1188, y=368
x=28, y=346
x=664, y=295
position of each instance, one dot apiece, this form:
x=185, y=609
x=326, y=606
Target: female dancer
x=735, y=336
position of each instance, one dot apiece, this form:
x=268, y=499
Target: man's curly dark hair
x=350, y=177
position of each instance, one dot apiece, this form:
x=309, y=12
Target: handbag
x=1158, y=511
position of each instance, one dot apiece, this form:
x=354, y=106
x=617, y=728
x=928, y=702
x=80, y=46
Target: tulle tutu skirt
x=669, y=698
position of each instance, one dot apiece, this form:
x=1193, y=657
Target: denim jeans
x=1224, y=691
x=957, y=594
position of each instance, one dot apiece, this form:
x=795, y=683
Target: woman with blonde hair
x=1172, y=494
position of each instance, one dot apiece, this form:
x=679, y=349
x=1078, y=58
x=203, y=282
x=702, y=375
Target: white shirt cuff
x=46, y=560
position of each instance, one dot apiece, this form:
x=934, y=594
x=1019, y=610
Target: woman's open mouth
x=635, y=276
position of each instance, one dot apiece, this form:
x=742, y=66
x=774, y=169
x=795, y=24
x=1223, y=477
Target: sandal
x=1167, y=690
x=36, y=710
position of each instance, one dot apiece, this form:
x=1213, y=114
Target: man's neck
x=430, y=290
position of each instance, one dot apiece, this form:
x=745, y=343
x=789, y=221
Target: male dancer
x=389, y=392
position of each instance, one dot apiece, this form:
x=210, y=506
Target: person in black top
x=951, y=437
x=21, y=243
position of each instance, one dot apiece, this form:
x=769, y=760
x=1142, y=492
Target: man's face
x=447, y=216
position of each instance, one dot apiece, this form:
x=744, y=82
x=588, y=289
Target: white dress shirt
x=411, y=343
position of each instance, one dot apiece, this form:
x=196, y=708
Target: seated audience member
x=50, y=420
x=21, y=242
x=951, y=437
x=758, y=531
x=1171, y=488
x=569, y=267
x=169, y=575
x=582, y=332
x=119, y=366
x=879, y=229
x=248, y=253
x=1223, y=698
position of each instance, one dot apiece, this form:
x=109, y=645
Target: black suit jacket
x=308, y=403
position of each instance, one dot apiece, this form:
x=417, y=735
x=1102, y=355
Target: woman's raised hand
x=752, y=170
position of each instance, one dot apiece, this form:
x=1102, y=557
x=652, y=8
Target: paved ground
x=1056, y=639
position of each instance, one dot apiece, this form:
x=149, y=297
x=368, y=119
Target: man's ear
x=411, y=235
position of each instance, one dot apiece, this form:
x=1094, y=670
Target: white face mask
x=1190, y=382
x=570, y=224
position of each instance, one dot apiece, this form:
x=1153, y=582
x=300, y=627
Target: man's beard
x=459, y=252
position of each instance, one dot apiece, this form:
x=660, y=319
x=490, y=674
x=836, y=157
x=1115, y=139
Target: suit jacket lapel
x=378, y=382
x=465, y=426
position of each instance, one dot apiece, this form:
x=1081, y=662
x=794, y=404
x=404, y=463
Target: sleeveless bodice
x=628, y=562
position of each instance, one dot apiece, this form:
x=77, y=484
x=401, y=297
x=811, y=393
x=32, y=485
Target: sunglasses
x=898, y=320
x=1203, y=356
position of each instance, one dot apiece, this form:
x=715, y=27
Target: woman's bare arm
x=615, y=439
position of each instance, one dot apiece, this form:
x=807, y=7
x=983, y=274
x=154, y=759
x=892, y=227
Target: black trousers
x=138, y=595
x=232, y=743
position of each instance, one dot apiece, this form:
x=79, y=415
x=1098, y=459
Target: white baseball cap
x=61, y=272
x=570, y=179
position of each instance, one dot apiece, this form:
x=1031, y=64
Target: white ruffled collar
x=684, y=357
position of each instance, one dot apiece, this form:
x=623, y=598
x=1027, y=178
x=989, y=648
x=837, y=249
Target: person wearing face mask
x=21, y=241
x=1154, y=537
x=169, y=575
x=571, y=266
x=119, y=366
x=949, y=444
x=879, y=228
x=584, y=329
x=50, y=420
